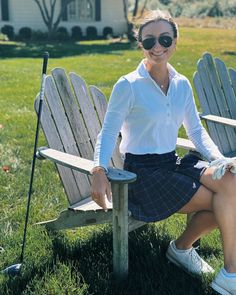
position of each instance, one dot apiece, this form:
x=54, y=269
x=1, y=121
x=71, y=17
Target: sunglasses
x=149, y=43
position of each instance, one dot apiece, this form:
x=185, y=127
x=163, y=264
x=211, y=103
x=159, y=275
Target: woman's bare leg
x=202, y=222
x=217, y=198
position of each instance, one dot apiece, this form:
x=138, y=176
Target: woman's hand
x=222, y=165
x=100, y=187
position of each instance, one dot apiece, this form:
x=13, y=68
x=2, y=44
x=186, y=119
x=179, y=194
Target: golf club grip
x=45, y=62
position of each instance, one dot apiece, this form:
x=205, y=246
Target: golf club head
x=12, y=270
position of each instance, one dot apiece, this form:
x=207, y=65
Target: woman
x=149, y=105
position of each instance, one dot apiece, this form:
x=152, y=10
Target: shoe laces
x=195, y=258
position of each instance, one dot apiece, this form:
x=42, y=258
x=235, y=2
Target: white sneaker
x=224, y=285
x=188, y=260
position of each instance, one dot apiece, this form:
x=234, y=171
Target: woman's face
x=158, y=53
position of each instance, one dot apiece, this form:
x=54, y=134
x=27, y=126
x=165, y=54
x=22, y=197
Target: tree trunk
x=135, y=11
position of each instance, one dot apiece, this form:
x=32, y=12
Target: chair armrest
x=84, y=165
x=185, y=144
x=218, y=119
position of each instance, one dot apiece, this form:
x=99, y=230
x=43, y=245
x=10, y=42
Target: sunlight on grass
x=79, y=261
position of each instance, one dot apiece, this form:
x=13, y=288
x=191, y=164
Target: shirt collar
x=143, y=73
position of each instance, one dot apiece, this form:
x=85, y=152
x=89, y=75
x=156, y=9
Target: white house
x=82, y=13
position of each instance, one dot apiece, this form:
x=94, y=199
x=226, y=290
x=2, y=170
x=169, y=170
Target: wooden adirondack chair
x=216, y=89
x=71, y=120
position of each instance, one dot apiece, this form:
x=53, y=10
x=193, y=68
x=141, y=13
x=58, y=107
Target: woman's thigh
x=224, y=185
x=201, y=200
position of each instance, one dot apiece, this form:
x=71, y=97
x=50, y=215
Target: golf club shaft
x=45, y=61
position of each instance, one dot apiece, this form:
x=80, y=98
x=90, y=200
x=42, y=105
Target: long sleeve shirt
x=149, y=120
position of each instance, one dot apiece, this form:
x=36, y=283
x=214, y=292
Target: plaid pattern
x=165, y=183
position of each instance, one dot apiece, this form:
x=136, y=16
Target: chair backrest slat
x=87, y=108
x=72, y=110
x=232, y=74
x=62, y=124
x=100, y=104
x=54, y=140
x=229, y=95
x=202, y=96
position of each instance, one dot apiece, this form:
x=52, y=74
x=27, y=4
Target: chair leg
x=120, y=231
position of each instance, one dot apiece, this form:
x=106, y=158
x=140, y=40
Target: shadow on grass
x=91, y=260
x=58, y=50
x=149, y=271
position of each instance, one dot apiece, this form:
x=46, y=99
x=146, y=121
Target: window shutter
x=64, y=13
x=5, y=10
x=97, y=10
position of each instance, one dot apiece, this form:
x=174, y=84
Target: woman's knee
x=225, y=185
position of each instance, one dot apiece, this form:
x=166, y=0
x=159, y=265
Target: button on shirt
x=148, y=119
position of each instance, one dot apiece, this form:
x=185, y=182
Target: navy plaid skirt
x=165, y=183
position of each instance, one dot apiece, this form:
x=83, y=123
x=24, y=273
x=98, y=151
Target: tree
x=47, y=11
x=135, y=11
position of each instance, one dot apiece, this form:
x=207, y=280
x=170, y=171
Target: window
x=4, y=11
x=0, y=10
x=81, y=10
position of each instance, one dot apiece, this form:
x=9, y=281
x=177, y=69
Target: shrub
x=91, y=33
x=76, y=33
x=215, y=10
x=25, y=34
x=62, y=34
x=9, y=31
x=3, y=37
x=107, y=32
x=39, y=35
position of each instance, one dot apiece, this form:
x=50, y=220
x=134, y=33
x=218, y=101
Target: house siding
x=25, y=13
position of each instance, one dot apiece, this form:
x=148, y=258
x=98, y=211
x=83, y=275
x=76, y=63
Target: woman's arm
x=196, y=132
x=118, y=108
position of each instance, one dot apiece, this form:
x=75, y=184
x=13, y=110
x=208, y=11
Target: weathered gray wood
x=220, y=120
x=228, y=92
x=87, y=108
x=64, y=131
x=88, y=204
x=85, y=166
x=100, y=104
x=72, y=110
x=69, y=219
x=185, y=144
x=202, y=96
x=134, y=224
x=232, y=74
x=120, y=230
x=217, y=97
x=209, y=104
x=53, y=139
x=223, y=109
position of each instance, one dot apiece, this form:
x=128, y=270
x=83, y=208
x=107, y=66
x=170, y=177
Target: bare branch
x=61, y=13
x=42, y=12
x=46, y=10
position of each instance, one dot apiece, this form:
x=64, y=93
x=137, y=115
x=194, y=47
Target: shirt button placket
x=168, y=110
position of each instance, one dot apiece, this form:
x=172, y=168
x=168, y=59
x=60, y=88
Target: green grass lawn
x=79, y=261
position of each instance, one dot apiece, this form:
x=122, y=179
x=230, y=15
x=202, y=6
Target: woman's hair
x=154, y=16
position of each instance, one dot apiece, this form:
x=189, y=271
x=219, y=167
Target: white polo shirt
x=148, y=119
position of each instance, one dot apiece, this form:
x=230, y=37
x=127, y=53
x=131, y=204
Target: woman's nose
x=157, y=44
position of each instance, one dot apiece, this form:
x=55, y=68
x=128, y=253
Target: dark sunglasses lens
x=148, y=43
x=165, y=41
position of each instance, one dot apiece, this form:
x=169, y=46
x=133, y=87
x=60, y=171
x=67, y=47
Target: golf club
x=15, y=269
